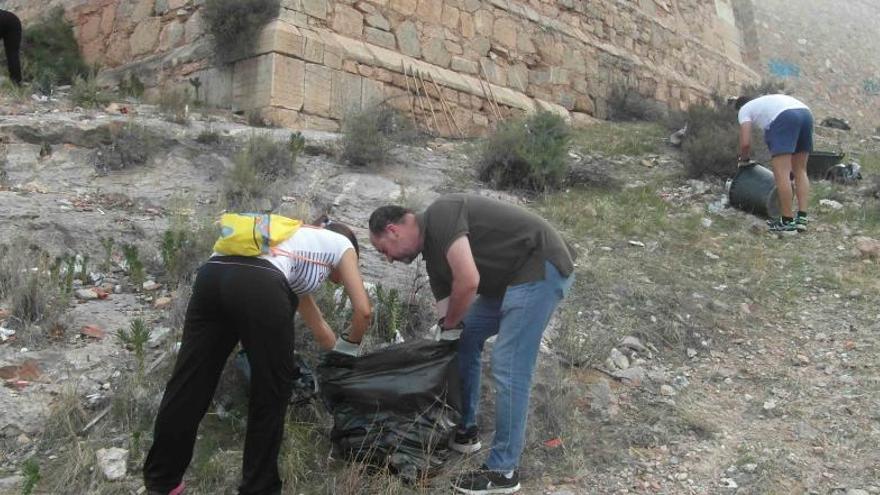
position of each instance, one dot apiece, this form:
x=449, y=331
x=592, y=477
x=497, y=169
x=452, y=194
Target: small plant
x=49, y=45
x=131, y=86
x=364, y=143
x=261, y=163
x=235, y=24
x=196, y=83
x=107, y=244
x=133, y=264
x=627, y=104
x=86, y=93
x=131, y=146
x=174, y=105
x=530, y=153
x=30, y=470
x=387, y=314
x=255, y=118
x=135, y=339
x=710, y=147
x=45, y=80
x=208, y=136
x=296, y=144
x=184, y=246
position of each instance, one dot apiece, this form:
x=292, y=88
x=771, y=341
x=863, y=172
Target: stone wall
x=824, y=50
x=479, y=60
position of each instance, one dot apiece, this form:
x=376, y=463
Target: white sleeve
x=744, y=114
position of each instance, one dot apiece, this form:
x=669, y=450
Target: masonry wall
x=825, y=51
x=479, y=60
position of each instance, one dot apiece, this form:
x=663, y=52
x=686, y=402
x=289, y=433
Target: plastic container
x=820, y=162
x=753, y=190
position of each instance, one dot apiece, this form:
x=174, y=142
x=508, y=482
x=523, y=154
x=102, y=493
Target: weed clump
x=184, y=246
x=257, y=168
x=364, y=143
x=235, y=24
x=131, y=146
x=626, y=104
x=174, y=105
x=528, y=153
x=50, y=54
x=710, y=146
x=86, y=93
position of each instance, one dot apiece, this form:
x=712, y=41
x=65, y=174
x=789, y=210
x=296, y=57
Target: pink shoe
x=178, y=490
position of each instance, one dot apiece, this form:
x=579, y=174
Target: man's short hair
x=385, y=215
x=742, y=100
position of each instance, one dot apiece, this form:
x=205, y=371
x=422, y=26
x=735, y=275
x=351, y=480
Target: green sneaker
x=777, y=226
x=800, y=222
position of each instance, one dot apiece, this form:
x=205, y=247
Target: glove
x=440, y=333
x=344, y=346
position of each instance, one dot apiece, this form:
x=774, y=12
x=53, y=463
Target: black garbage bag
x=394, y=408
x=304, y=386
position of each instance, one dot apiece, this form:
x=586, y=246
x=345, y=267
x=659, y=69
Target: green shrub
x=133, y=264
x=364, y=143
x=711, y=144
x=135, y=339
x=626, y=104
x=49, y=47
x=528, y=153
x=174, y=105
x=236, y=24
x=131, y=86
x=257, y=168
x=131, y=146
x=185, y=245
x=208, y=136
x=86, y=93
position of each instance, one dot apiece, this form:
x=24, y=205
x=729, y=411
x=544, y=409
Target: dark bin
x=820, y=161
x=753, y=190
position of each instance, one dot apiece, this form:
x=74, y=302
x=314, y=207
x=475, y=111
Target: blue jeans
x=519, y=319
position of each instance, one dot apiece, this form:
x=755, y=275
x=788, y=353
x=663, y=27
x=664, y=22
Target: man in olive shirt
x=501, y=270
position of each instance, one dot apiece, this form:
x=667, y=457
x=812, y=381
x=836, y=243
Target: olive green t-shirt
x=509, y=244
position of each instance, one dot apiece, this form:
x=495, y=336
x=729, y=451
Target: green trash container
x=753, y=190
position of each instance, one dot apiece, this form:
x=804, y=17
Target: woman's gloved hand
x=345, y=346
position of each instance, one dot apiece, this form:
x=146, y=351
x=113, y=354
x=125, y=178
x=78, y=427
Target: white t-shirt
x=764, y=109
x=315, y=253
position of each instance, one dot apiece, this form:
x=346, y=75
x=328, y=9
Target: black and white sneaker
x=486, y=481
x=466, y=441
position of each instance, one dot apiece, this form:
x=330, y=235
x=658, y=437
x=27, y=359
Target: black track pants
x=10, y=31
x=233, y=299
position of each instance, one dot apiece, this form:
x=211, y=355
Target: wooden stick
x=446, y=106
x=420, y=100
x=430, y=103
x=412, y=104
x=491, y=93
x=495, y=110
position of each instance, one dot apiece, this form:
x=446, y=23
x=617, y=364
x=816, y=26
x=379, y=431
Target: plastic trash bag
x=395, y=408
x=305, y=388
x=849, y=173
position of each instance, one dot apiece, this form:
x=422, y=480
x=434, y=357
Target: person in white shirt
x=253, y=300
x=788, y=130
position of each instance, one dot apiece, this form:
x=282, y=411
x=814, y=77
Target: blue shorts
x=790, y=132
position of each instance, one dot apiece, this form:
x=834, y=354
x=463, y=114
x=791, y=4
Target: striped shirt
x=315, y=253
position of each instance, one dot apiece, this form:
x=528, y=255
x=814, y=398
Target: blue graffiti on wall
x=783, y=68
x=872, y=87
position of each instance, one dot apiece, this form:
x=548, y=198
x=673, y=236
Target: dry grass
x=619, y=138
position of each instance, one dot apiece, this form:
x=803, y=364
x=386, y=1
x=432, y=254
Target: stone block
x=332, y=58
x=436, y=53
x=518, y=77
x=194, y=27
x=378, y=21
x=453, y=47
x=347, y=21
x=90, y=30
x=282, y=37
x=365, y=7
x=450, y=16
x=460, y=64
x=315, y=8
x=108, y=17
x=314, y=50
x=252, y=82
x=282, y=117
x=466, y=22
x=470, y=5
x=317, y=93
x=494, y=72
x=379, y=37
x=504, y=32
x=373, y=93
x=405, y=7
x=479, y=45
x=430, y=11
x=171, y=35
x=145, y=36
x=142, y=10
x=408, y=39
x=347, y=91
x=288, y=82
x=317, y=123
x=483, y=21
